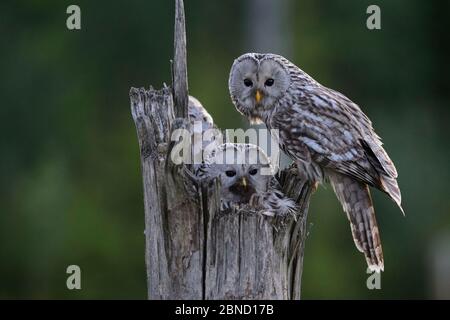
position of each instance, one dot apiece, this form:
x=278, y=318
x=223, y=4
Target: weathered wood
x=173, y=219
x=252, y=256
x=179, y=77
x=193, y=250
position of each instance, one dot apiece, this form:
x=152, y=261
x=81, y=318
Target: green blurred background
x=71, y=190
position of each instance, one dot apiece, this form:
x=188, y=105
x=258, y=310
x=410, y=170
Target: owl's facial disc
x=256, y=85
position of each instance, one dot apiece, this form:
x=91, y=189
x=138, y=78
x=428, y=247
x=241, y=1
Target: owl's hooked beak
x=243, y=189
x=258, y=96
x=241, y=186
x=243, y=182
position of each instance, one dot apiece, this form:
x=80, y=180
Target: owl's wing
x=372, y=142
x=330, y=133
x=339, y=136
x=334, y=134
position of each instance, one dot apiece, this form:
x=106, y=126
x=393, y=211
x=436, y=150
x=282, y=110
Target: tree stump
x=193, y=250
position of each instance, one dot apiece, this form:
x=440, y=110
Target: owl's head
x=197, y=112
x=243, y=170
x=257, y=81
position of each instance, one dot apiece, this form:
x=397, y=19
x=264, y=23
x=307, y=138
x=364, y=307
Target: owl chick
x=246, y=178
x=325, y=133
x=201, y=122
x=197, y=112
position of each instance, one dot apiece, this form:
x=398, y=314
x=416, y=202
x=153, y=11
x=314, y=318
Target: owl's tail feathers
x=357, y=204
x=390, y=186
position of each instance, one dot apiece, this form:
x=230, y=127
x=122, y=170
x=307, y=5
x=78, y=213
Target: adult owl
x=325, y=133
x=246, y=178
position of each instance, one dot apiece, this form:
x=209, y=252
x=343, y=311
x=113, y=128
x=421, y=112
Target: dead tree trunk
x=194, y=251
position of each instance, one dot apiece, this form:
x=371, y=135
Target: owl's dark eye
x=269, y=82
x=230, y=173
x=253, y=172
x=248, y=82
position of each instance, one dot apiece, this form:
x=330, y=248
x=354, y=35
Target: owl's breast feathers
x=337, y=135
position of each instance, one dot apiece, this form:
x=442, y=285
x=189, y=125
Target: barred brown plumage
x=326, y=134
